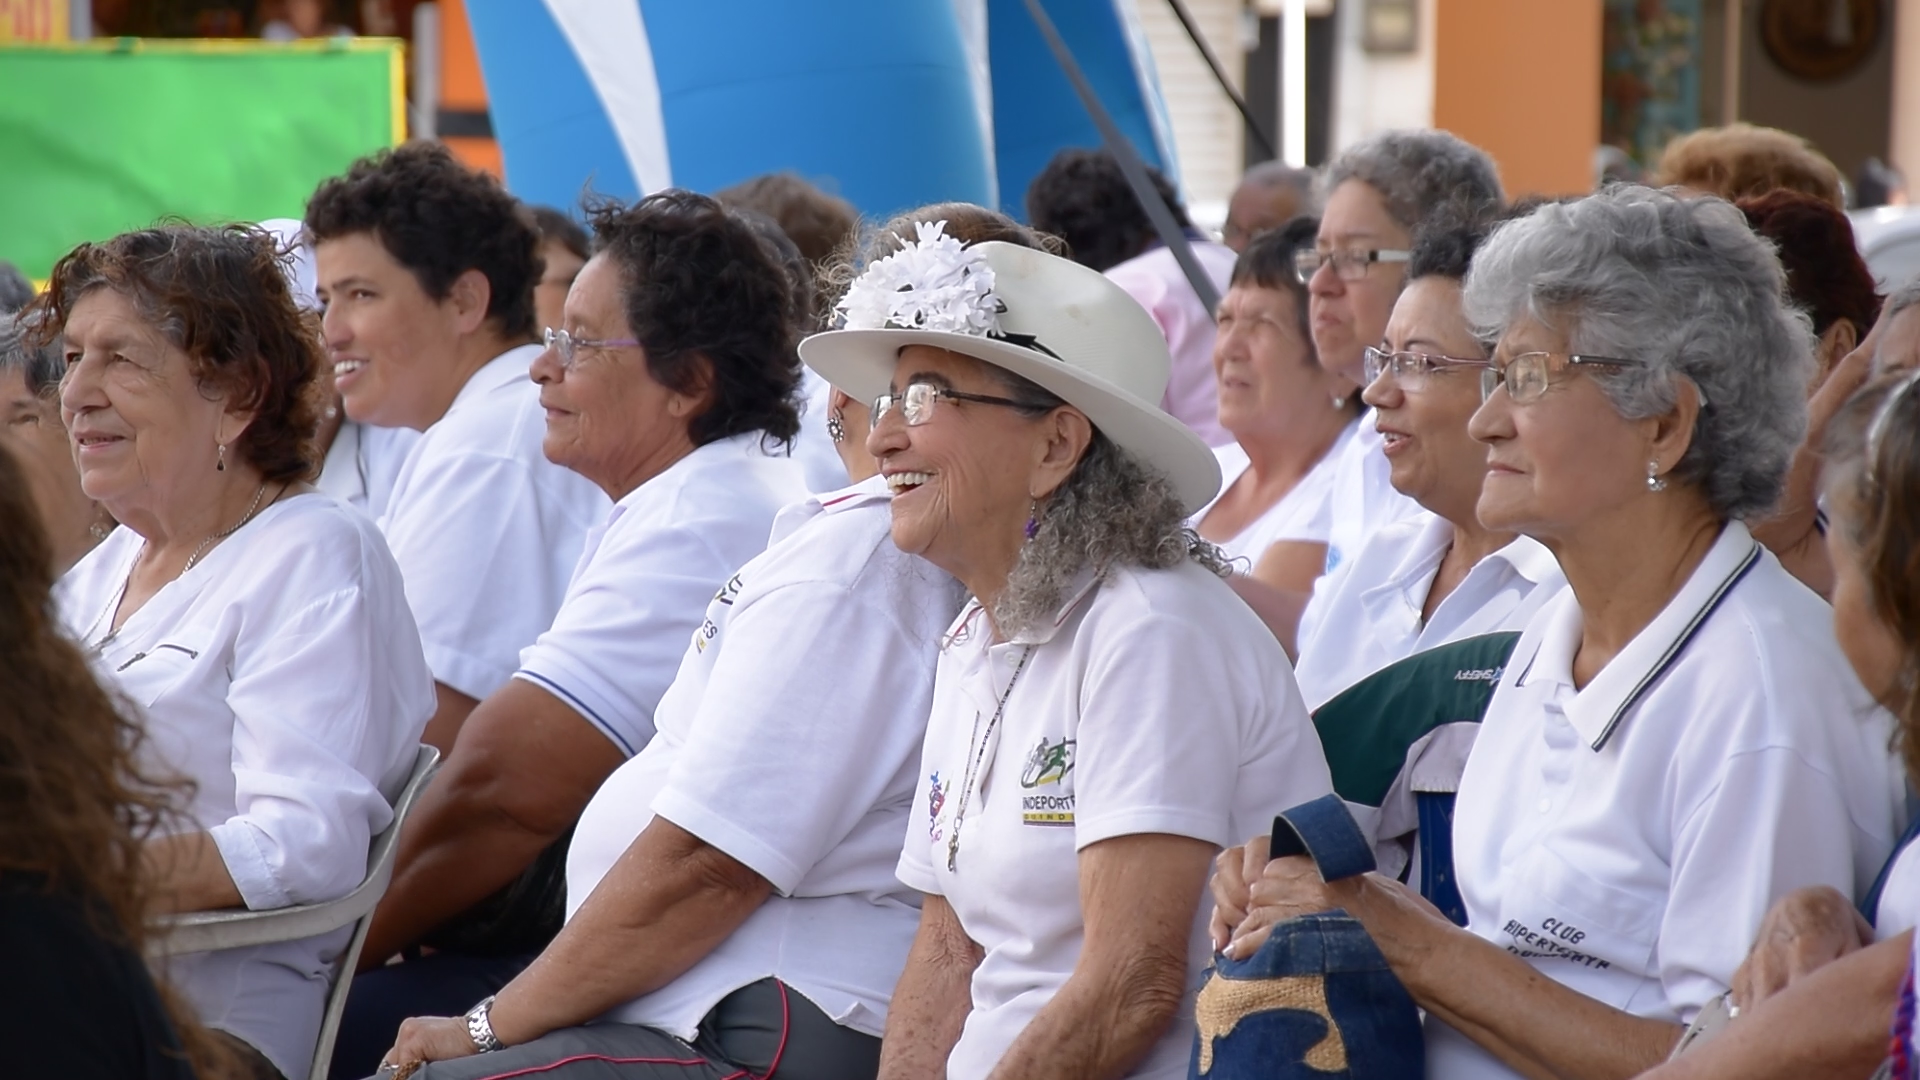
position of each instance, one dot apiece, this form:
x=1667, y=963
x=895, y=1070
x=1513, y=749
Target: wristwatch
x=480, y=1028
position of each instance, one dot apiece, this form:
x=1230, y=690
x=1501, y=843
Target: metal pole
x=1293, y=76
x=1730, y=62
x=1220, y=74
x=1131, y=166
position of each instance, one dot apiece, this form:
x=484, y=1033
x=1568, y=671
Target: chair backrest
x=205, y=931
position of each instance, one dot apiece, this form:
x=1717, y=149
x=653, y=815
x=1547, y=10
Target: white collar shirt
x=1899, y=909
x=1155, y=703
x=1374, y=617
x=646, y=574
x=1627, y=838
x=1302, y=515
x=789, y=740
x=283, y=676
x=486, y=529
x=1361, y=501
x=363, y=463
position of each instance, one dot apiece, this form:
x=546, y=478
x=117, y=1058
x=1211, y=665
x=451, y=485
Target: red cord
x=786, y=1028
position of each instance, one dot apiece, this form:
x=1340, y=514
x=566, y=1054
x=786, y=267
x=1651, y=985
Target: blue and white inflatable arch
x=890, y=103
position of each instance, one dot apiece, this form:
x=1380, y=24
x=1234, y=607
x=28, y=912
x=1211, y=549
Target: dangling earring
x=1654, y=482
x=1033, y=520
x=220, y=465
x=836, y=426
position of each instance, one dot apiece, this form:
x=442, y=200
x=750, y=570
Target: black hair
x=1083, y=198
x=439, y=219
x=1268, y=264
x=711, y=306
x=558, y=228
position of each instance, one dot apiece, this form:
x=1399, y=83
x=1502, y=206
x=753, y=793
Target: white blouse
x=486, y=529
x=1374, y=616
x=647, y=574
x=1155, y=703
x=283, y=676
x=1626, y=838
x=789, y=741
x=1361, y=500
x=1302, y=514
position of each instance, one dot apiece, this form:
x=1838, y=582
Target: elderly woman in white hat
x=1106, y=714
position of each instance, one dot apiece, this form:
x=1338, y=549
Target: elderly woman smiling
x=261, y=627
x=1106, y=713
x=1439, y=576
x=1677, y=740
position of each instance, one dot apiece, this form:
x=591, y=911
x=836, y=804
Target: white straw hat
x=1046, y=319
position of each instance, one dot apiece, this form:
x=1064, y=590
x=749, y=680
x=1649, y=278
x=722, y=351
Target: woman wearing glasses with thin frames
x=1439, y=576
x=1676, y=741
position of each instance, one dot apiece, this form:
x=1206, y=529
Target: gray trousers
x=762, y=1031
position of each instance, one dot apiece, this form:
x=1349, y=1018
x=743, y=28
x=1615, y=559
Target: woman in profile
x=75, y=996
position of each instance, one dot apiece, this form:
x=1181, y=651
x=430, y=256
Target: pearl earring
x=220, y=464
x=1654, y=481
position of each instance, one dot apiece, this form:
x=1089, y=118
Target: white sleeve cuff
x=239, y=846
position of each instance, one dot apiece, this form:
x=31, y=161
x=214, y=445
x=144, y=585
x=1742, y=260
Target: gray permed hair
x=39, y=363
x=1902, y=298
x=1113, y=511
x=1685, y=286
x=1415, y=172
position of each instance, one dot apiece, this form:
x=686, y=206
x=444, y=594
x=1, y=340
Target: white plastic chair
x=205, y=931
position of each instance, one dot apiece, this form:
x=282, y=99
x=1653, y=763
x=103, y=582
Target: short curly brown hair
x=1741, y=160
x=217, y=294
x=439, y=219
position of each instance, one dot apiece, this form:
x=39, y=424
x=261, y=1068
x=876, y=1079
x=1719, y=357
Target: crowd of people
x=719, y=546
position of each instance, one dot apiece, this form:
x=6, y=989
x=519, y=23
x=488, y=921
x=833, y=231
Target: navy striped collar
x=1597, y=711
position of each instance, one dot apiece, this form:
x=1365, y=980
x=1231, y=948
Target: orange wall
x=1521, y=78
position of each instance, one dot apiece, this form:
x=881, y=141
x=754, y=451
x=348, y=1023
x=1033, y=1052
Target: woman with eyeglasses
x=1439, y=576
x=1677, y=740
x=671, y=388
x=1288, y=417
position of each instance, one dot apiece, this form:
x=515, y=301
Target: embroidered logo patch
x=1049, y=765
x=936, y=800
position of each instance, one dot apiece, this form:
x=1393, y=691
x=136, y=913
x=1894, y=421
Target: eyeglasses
x=1528, y=375
x=1411, y=369
x=916, y=402
x=1349, y=265
x=567, y=347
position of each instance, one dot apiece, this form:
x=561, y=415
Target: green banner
x=99, y=138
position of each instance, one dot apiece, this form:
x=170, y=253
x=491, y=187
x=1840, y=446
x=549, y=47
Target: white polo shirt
x=1302, y=514
x=789, y=741
x=1627, y=838
x=645, y=576
x=486, y=529
x=363, y=463
x=1362, y=501
x=283, y=676
x=1155, y=703
x=1373, y=618
x=1900, y=896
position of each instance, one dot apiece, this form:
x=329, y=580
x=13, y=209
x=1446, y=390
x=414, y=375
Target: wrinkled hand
x=1234, y=872
x=1285, y=889
x=1807, y=929
x=430, y=1038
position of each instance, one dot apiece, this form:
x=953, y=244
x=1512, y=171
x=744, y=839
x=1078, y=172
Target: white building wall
x=1378, y=93
x=1207, y=131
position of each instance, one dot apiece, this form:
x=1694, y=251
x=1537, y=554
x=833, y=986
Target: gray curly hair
x=1416, y=172
x=1685, y=286
x=40, y=364
x=1113, y=511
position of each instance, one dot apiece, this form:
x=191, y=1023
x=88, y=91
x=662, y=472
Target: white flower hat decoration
x=1046, y=319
